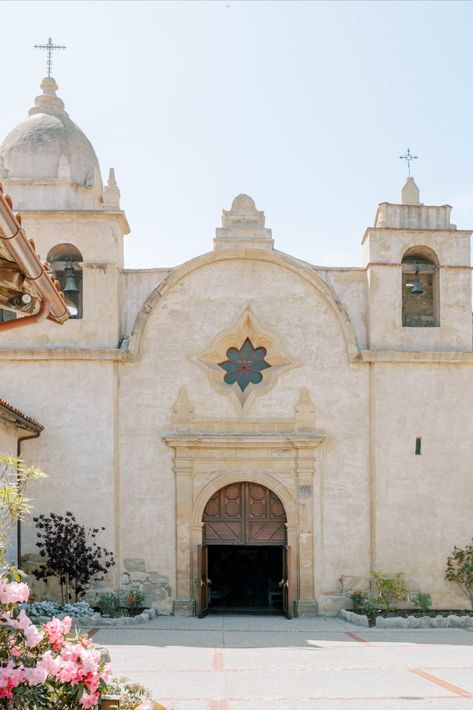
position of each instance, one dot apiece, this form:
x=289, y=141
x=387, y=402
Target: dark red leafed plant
x=70, y=554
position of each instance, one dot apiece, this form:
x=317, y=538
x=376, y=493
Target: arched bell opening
x=420, y=288
x=243, y=560
x=66, y=262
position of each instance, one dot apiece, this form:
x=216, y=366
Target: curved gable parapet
x=302, y=269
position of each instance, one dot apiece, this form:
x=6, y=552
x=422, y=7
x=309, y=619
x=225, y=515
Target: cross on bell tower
x=408, y=157
x=49, y=48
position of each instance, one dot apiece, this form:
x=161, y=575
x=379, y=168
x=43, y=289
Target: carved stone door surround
x=279, y=454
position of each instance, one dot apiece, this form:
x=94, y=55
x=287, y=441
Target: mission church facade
x=278, y=428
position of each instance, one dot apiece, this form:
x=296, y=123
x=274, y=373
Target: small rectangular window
x=418, y=446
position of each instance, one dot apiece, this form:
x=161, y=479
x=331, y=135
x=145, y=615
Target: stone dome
x=49, y=146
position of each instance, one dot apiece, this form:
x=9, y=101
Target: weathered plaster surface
x=184, y=323
x=8, y=439
x=117, y=389
x=136, y=286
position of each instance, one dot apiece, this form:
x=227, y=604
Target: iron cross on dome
x=49, y=48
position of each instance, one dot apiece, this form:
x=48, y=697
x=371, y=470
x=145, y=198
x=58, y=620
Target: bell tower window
x=66, y=262
x=420, y=289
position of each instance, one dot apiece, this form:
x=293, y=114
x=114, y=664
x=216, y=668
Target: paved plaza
x=270, y=663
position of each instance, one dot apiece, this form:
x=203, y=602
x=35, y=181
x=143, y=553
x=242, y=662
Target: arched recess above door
x=244, y=513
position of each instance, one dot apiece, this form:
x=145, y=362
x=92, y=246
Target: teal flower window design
x=244, y=365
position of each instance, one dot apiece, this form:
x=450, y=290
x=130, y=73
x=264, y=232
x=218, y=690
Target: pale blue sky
x=305, y=106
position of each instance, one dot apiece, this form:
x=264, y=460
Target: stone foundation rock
x=153, y=585
x=358, y=619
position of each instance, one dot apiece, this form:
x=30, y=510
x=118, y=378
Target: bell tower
x=418, y=277
x=51, y=170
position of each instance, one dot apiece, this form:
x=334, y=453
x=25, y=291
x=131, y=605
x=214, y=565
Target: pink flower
x=13, y=592
x=22, y=621
x=50, y=664
x=69, y=672
x=10, y=677
x=35, y=676
x=71, y=652
x=66, y=624
x=55, y=631
x=33, y=636
x=89, y=700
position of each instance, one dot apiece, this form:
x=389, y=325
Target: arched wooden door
x=244, y=514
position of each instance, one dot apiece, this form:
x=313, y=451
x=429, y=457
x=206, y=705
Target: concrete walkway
x=269, y=663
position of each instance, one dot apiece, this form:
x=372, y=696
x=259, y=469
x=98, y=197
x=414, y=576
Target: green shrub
x=423, y=601
x=108, y=604
x=133, y=601
x=359, y=600
x=388, y=588
x=363, y=605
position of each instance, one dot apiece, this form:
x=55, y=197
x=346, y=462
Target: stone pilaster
x=184, y=471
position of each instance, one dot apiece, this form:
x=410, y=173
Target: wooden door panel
x=266, y=533
x=244, y=514
x=222, y=532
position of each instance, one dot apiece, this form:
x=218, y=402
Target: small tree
x=388, y=588
x=14, y=475
x=71, y=553
x=460, y=569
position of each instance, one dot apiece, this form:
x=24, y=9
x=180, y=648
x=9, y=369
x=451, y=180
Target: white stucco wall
x=75, y=402
x=136, y=286
x=424, y=504
x=8, y=439
x=183, y=325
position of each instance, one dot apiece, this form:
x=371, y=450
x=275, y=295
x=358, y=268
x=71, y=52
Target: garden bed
x=419, y=614
x=84, y=616
x=411, y=619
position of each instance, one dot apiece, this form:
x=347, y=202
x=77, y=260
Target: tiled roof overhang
x=13, y=416
x=21, y=269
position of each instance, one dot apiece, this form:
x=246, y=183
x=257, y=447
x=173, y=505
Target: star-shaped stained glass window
x=244, y=365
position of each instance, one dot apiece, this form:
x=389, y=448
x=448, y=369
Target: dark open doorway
x=245, y=579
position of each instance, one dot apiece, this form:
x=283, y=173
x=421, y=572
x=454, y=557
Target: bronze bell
x=417, y=289
x=70, y=285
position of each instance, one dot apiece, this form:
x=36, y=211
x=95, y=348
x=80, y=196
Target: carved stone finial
x=112, y=182
x=48, y=102
x=410, y=193
x=111, y=193
x=243, y=226
x=183, y=411
x=304, y=415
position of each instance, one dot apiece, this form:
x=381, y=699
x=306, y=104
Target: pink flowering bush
x=46, y=667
